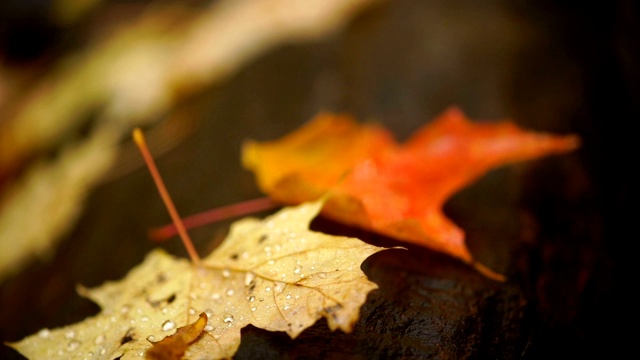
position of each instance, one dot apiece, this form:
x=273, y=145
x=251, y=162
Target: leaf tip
x=484, y=270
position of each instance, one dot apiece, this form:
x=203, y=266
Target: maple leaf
x=396, y=190
x=274, y=273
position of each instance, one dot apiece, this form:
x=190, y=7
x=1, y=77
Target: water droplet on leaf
x=248, y=278
x=99, y=339
x=73, y=345
x=168, y=325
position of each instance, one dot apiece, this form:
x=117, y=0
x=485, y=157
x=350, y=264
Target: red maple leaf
x=396, y=190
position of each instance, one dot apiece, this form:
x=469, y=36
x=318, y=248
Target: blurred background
x=200, y=77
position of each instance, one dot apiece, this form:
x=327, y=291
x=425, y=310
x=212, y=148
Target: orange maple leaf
x=396, y=190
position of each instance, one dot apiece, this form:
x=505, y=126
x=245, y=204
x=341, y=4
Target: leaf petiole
x=138, y=137
x=211, y=216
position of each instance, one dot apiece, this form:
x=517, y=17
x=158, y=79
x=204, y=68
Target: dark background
x=559, y=227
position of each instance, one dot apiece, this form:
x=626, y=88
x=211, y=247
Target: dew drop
x=70, y=334
x=144, y=319
x=103, y=351
x=168, y=325
x=226, y=273
x=215, y=296
x=151, y=338
x=99, y=339
x=261, y=299
x=228, y=318
x=322, y=275
x=192, y=311
x=164, y=310
x=286, y=307
x=268, y=288
x=209, y=312
x=297, y=269
x=73, y=345
x=288, y=296
x=248, y=278
x=251, y=298
x=271, y=262
x=230, y=292
x=253, y=308
x=208, y=328
x=44, y=333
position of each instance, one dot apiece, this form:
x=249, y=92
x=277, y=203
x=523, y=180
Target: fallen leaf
x=396, y=190
x=44, y=204
x=274, y=273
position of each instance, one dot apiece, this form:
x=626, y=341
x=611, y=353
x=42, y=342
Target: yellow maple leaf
x=273, y=273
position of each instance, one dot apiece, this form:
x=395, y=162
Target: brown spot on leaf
x=174, y=346
x=126, y=338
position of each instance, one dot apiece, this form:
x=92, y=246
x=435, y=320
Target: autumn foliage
x=272, y=273
x=277, y=274
x=394, y=189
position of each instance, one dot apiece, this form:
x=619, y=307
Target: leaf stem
x=138, y=137
x=210, y=216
